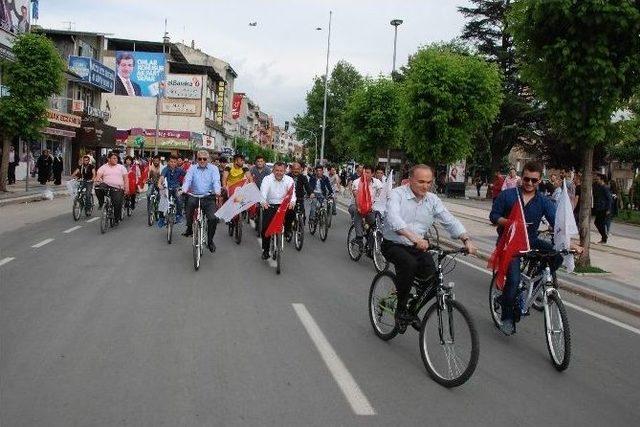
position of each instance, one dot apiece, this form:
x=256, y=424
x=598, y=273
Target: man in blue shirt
x=170, y=178
x=203, y=179
x=535, y=206
x=321, y=188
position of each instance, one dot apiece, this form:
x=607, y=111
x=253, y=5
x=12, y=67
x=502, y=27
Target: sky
x=276, y=60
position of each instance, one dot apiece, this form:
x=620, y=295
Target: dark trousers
x=291, y=215
x=57, y=177
x=12, y=173
x=409, y=262
x=601, y=223
x=208, y=205
x=267, y=216
x=117, y=197
x=510, y=291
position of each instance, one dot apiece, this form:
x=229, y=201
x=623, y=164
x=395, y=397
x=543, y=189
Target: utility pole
x=326, y=85
x=395, y=23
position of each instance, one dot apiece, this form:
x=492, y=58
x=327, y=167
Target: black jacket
x=302, y=186
x=325, y=185
x=121, y=90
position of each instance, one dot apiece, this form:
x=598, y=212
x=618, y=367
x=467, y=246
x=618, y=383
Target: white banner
x=183, y=86
x=565, y=227
x=243, y=198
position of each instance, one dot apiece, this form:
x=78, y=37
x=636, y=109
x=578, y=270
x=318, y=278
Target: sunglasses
x=203, y=158
x=531, y=180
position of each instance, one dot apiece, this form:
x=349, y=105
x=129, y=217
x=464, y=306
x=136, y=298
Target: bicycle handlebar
x=447, y=252
x=200, y=196
x=537, y=253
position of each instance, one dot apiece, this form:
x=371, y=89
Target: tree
x=370, y=118
x=627, y=148
x=34, y=75
x=582, y=59
x=343, y=81
x=487, y=30
x=446, y=99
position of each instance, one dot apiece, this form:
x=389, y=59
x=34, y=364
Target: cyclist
x=274, y=188
x=321, y=187
x=155, y=169
x=203, y=179
x=375, y=187
x=302, y=190
x=411, y=210
x=334, y=179
x=171, y=177
x=134, y=173
x=114, y=175
x=86, y=173
x=236, y=172
x=260, y=171
x=535, y=206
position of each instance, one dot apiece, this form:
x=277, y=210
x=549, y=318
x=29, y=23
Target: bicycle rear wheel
x=379, y=261
x=313, y=224
x=76, y=210
x=150, y=213
x=355, y=251
x=449, y=344
x=196, y=243
x=298, y=234
x=383, y=301
x=329, y=214
x=557, y=331
x=324, y=227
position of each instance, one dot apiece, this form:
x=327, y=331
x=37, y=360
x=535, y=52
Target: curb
x=36, y=197
x=584, y=292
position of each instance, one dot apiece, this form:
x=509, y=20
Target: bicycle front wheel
x=170, y=221
x=237, y=232
x=77, y=207
x=355, y=251
x=329, y=214
x=557, y=331
x=104, y=217
x=495, y=302
x=449, y=343
x=197, y=242
x=383, y=301
x=324, y=227
x=298, y=234
x=150, y=218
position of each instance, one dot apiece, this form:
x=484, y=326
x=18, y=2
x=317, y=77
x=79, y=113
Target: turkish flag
x=132, y=181
x=278, y=219
x=143, y=176
x=363, y=199
x=514, y=240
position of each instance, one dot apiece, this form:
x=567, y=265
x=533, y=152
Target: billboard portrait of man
x=14, y=16
x=125, y=65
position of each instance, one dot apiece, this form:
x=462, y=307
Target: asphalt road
x=120, y=330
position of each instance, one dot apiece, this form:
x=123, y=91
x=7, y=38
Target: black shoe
x=265, y=255
x=188, y=233
x=404, y=319
x=211, y=246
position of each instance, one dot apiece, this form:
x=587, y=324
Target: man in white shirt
x=375, y=187
x=274, y=189
x=411, y=211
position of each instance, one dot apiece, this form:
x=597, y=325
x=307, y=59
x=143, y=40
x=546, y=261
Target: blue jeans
x=510, y=290
x=316, y=203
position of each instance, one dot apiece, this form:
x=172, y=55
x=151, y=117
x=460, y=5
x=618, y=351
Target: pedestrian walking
x=13, y=162
x=44, y=164
x=601, y=206
x=57, y=167
x=615, y=204
x=478, y=181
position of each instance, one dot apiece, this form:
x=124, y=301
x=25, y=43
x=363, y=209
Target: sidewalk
x=17, y=194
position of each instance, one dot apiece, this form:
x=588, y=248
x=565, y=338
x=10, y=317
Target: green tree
x=343, y=81
x=34, y=75
x=582, y=59
x=370, y=118
x=627, y=147
x=446, y=99
x=519, y=118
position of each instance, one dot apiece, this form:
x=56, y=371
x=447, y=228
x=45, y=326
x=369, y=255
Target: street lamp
x=326, y=84
x=395, y=23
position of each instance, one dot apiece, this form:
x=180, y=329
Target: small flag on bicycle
x=243, y=198
x=513, y=240
x=275, y=226
x=565, y=227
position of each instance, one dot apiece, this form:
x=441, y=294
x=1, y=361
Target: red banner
x=237, y=105
x=275, y=226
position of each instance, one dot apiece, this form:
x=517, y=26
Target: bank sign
x=93, y=72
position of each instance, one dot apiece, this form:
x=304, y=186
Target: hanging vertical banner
x=237, y=105
x=220, y=103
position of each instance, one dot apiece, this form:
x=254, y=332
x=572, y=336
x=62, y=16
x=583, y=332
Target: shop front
x=57, y=137
x=143, y=142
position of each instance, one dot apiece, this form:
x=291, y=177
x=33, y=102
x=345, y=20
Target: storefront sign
x=93, y=72
x=63, y=119
x=59, y=132
x=181, y=107
x=183, y=86
x=77, y=106
x=220, y=104
x=98, y=113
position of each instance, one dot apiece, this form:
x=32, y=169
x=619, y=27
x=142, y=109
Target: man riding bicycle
x=85, y=174
x=321, y=187
x=535, y=206
x=115, y=176
x=302, y=190
x=154, y=176
x=274, y=189
x=411, y=211
x=203, y=179
x=170, y=178
x=375, y=187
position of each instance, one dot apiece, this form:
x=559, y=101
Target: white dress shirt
x=274, y=191
x=405, y=211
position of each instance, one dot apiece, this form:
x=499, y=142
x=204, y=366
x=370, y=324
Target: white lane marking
x=358, y=401
x=41, y=244
x=574, y=306
x=77, y=227
x=93, y=219
x=6, y=260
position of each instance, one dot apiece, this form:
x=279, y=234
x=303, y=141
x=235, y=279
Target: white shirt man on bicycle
x=274, y=189
x=375, y=188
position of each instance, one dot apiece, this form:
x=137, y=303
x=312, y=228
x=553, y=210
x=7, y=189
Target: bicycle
x=275, y=249
x=200, y=231
x=80, y=201
x=152, y=206
x=170, y=215
x=107, y=216
x=539, y=279
x=235, y=228
x=126, y=205
x=297, y=228
x=448, y=338
x=372, y=244
x=330, y=204
x=320, y=220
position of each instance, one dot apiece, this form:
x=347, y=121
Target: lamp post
x=395, y=23
x=326, y=84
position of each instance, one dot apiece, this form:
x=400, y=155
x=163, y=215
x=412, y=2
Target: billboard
x=457, y=171
x=93, y=72
x=14, y=16
x=181, y=107
x=183, y=86
x=139, y=73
